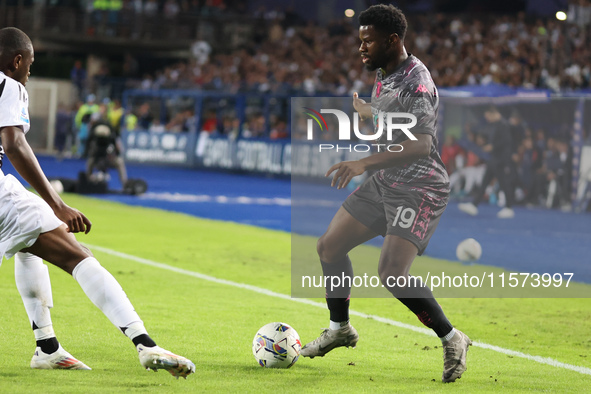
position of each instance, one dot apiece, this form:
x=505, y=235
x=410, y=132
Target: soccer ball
x=276, y=345
x=57, y=185
x=469, y=250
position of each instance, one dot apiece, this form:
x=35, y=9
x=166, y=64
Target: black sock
x=337, y=299
x=419, y=299
x=48, y=346
x=143, y=339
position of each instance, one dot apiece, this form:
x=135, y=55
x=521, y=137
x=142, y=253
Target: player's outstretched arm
x=412, y=150
x=23, y=159
x=363, y=108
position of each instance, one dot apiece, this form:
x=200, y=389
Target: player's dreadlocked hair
x=12, y=42
x=385, y=18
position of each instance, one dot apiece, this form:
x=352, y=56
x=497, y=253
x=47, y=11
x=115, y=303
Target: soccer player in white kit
x=33, y=228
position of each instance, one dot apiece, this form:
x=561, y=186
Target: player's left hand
x=345, y=171
x=74, y=219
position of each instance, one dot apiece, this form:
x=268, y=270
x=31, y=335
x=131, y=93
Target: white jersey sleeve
x=14, y=104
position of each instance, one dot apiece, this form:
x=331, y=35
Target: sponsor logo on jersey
x=422, y=89
x=24, y=116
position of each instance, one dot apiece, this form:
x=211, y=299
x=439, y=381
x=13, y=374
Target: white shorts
x=23, y=216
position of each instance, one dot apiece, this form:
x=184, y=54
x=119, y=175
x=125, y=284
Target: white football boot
x=454, y=357
x=155, y=358
x=60, y=359
x=331, y=339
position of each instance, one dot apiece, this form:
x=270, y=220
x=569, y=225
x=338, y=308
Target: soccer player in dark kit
x=403, y=201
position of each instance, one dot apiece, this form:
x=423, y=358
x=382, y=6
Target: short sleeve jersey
x=14, y=106
x=410, y=89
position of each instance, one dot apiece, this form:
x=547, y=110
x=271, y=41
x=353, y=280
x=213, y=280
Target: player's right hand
x=345, y=171
x=74, y=219
x=358, y=105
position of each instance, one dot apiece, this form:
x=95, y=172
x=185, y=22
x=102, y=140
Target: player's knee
x=321, y=248
x=327, y=251
x=75, y=257
x=86, y=251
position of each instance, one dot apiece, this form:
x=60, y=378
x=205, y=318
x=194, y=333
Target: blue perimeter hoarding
x=203, y=150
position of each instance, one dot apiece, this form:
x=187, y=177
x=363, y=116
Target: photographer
x=104, y=148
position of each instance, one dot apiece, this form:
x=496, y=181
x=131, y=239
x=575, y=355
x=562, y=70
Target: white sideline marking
x=509, y=352
x=240, y=200
x=197, y=198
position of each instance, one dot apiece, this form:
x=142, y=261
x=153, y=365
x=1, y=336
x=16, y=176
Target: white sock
x=135, y=329
x=335, y=325
x=44, y=333
x=106, y=293
x=449, y=336
x=34, y=286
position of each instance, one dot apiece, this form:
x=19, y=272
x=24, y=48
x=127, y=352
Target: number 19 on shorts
x=404, y=217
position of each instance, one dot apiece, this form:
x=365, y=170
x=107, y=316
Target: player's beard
x=373, y=64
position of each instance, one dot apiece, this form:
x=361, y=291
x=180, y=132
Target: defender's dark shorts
x=410, y=212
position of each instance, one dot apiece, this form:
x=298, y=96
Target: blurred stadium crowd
x=280, y=53
x=285, y=54
x=459, y=50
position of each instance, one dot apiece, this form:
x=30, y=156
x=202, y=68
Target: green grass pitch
x=213, y=324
